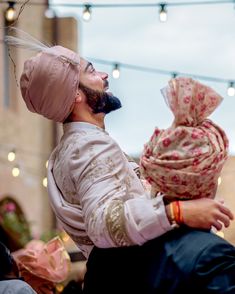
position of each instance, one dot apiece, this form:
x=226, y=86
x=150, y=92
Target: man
x=95, y=193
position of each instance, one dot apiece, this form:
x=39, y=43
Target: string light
x=174, y=75
x=10, y=13
x=15, y=171
x=86, y=15
x=44, y=182
x=11, y=155
x=231, y=89
x=116, y=71
x=49, y=13
x=87, y=7
x=163, y=13
x=219, y=181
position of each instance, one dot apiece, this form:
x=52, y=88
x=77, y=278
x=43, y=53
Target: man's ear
x=78, y=97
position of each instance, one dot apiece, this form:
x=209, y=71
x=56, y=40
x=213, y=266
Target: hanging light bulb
x=86, y=15
x=49, y=13
x=116, y=71
x=46, y=164
x=10, y=13
x=219, y=181
x=163, y=13
x=231, y=89
x=11, y=155
x=15, y=171
x=44, y=182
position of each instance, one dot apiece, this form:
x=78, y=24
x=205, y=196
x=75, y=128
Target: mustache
x=106, y=83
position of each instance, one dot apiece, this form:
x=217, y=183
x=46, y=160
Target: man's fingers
x=224, y=209
x=217, y=225
x=224, y=219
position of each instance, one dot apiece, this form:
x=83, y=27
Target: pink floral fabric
x=185, y=160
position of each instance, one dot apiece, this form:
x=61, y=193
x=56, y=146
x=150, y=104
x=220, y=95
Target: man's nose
x=104, y=75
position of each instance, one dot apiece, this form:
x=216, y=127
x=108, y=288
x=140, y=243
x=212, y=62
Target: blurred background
x=141, y=45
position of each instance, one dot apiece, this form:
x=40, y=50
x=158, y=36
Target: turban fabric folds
x=185, y=160
x=49, y=82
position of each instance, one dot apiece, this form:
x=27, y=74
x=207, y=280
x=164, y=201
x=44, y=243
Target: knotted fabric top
x=185, y=160
x=49, y=82
x=49, y=261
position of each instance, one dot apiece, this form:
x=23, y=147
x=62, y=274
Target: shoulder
x=15, y=287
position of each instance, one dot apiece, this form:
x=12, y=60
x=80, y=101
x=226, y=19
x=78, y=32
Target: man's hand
x=204, y=213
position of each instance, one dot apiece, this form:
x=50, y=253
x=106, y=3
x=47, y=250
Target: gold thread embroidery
x=115, y=223
x=84, y=240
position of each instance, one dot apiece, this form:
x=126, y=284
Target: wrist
x=174, y=213
x=170, y=216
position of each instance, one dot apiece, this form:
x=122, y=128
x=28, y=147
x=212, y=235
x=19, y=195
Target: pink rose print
x=173, y=93
x=157, y=132
x=192, y=107
x=176, y=179
x=197, y=134
x=195, y=161
x=186, y=99
x=175, y=155
x=197, y=151
x=213, y=101
x=194, y=135
x=187, y=143
x=203, y=108
x=163, y=178
x=166, y=142
x=200, y=96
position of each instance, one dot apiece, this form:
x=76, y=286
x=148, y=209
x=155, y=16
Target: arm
x=204, y=213
x=116, y=209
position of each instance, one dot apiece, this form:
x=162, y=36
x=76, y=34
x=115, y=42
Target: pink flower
x=10, y=207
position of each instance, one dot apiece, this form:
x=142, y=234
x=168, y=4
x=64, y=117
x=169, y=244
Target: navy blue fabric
x=181, y=261
x=6, y=261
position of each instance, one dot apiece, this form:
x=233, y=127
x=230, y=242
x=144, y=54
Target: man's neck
x=97, y=119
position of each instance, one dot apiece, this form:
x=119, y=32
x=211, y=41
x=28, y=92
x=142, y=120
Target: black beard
x=100, y=102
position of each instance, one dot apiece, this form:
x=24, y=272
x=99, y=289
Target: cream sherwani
x=96, y=195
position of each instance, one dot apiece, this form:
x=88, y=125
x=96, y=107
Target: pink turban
x=185, y=160
x=49, y=82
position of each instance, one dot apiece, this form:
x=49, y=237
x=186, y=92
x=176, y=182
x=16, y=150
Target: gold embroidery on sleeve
x=115, y=223
x=84, y=240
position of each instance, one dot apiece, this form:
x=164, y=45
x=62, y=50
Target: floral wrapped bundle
x=185, y=160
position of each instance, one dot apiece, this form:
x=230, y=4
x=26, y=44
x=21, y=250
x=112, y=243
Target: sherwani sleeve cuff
x=146, y=220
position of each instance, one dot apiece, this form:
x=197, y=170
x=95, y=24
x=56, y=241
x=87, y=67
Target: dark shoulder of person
x=6, y=261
